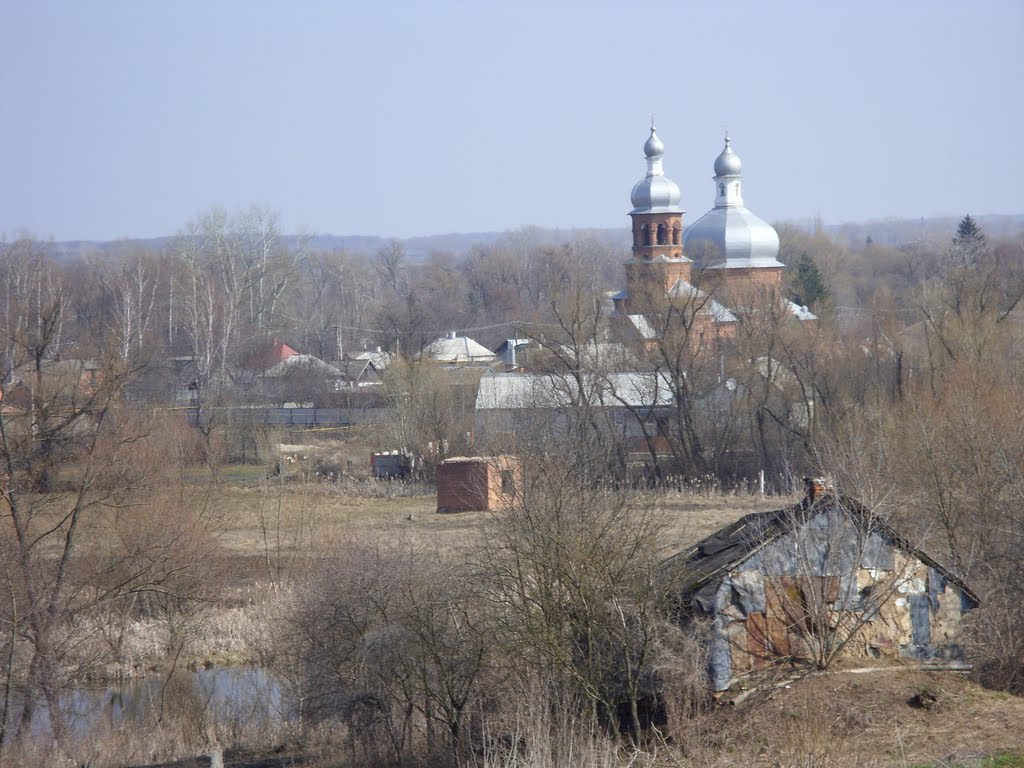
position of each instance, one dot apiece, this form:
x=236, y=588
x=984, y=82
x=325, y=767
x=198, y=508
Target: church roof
x=729, y=235
x=643, y=327
x=728, y=163
x=683, y=290
x=655, y=193
x=800, y=312
x=733, y=237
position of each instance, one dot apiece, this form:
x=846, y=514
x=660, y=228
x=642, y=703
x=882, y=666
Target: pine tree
x=809, y=281
x=968, y=244
x=969, y=233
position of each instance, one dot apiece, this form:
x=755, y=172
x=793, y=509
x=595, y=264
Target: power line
x=474, y=328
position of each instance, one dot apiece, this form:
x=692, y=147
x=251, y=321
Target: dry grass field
x=312, y=516
x=270, y=528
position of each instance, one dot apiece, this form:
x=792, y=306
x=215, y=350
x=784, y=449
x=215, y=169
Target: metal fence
x=298, y=417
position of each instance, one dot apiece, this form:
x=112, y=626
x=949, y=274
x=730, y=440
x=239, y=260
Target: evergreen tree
x=968, y=244
x=809, y=282
x=968, y=233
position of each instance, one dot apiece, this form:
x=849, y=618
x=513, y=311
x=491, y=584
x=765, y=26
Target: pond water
x=236, y=695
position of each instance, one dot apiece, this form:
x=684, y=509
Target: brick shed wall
x=475, y=484
x=461, y=486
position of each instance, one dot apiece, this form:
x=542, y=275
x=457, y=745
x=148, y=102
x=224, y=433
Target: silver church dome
x=728, y=163
x=655, y=193
x=653, y=147
x=730, y=236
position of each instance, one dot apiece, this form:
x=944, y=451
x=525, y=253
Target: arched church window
x=661, y=234
x=675, y=235
x=721, y=190
x=647, y=235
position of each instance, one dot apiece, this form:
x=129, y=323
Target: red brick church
x=728, y=258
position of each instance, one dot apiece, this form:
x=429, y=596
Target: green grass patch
x=1007, y=760
x=1003, y=760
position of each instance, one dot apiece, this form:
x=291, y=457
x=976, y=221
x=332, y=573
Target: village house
x=359, y=372
x=63, y=384
x=456, y=350
x=300, y=378
x=809, y=584
x=378, y=358
x=266, y=356
x=627, y=405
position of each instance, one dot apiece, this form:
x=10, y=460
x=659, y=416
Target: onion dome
x=654, y=147
x=655, y=193
x=730, y=236
x=728, y=163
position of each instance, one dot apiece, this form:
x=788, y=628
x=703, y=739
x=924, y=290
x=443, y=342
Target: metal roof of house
x=302, y=363
x=547, y=390
x=379, y=359
x=455, y=349
x=603, y=356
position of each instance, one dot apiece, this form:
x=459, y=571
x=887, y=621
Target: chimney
x=451, y=334
x=816, y=487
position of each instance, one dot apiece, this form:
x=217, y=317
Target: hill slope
x=865, y=719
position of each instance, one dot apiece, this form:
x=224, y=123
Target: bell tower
x=658, y=260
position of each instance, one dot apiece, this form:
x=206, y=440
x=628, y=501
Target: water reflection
x=234, y=696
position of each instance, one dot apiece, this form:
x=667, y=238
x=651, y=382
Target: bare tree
x=684, y=348
x=431, y=408
x=391, y=266
x=391, y=640
x=129, y=285
x=569, y=572
x=62, y=572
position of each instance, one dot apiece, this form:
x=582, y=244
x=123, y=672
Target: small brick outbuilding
x=477, y=483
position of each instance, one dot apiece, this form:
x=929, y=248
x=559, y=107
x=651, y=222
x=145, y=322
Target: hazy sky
x=127, y=119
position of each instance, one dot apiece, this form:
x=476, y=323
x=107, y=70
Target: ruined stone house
x=822, y=580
